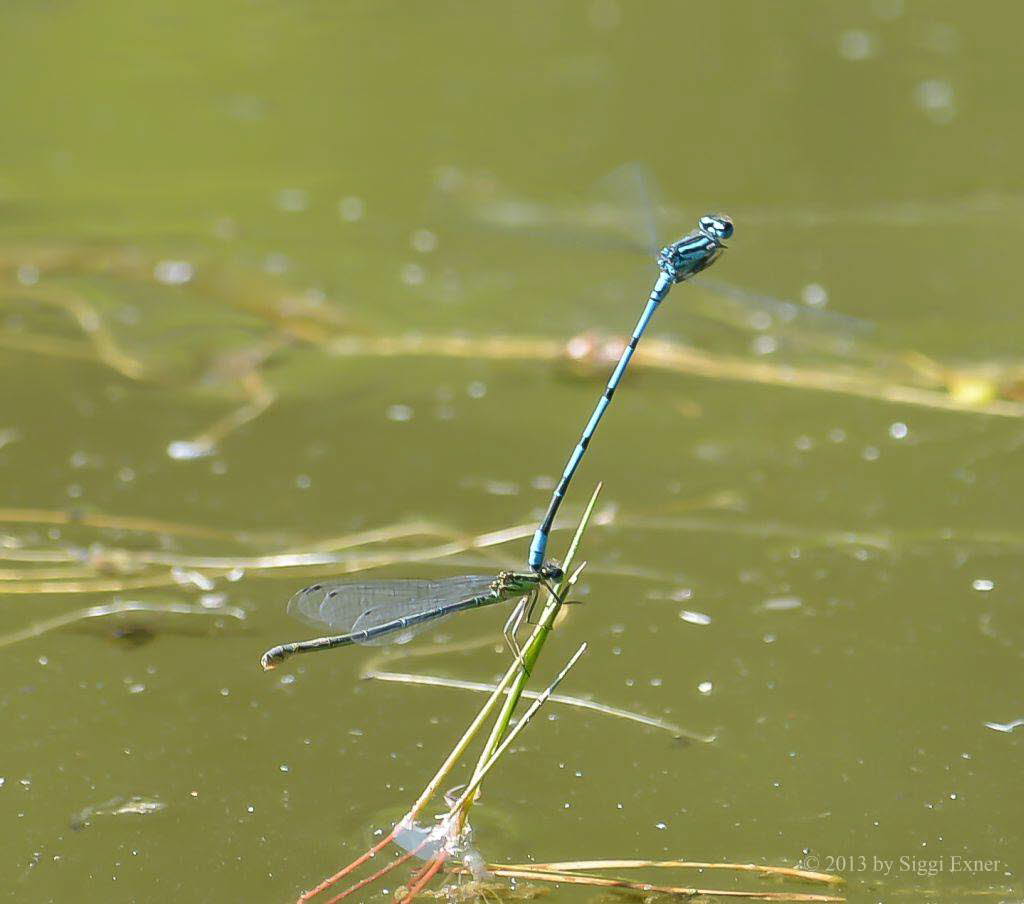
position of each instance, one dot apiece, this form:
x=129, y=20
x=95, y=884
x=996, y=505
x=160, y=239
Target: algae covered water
x=327, y=291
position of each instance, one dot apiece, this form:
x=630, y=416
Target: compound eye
x=717, y=225
x=553, y=572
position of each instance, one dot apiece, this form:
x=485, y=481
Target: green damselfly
x=373, y=612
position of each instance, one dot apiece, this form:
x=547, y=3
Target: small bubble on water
x=983, y=584
x=399, y=413
x=661, y=826
x=898, y=430
x=500, y=487
x=424, y=241
x=351, y=209
x=477, y=389
x=705, y=687
x=856, y=44
x=870, y=453
x=448, y=177
x=814, y=295
x=888, y=10
x=837, y=435
x=413, y=275
x=303, y=481
x=764, y=345
x=292, y=200
x=224, y=228
x=276, y=264
x=27, y=275
x=935, y=97
x=173, y=273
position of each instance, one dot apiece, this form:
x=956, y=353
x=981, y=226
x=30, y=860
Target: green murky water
x=213, y=221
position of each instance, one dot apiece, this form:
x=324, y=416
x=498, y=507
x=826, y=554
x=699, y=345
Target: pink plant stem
x=362, y=883
x=425, y=876
x=355, y=864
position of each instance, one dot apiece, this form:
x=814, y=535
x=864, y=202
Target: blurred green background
x=219, y=223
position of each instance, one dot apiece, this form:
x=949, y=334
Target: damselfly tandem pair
x=370, y=612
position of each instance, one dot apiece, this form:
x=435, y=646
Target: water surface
x=197, y=203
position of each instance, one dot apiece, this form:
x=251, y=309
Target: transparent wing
x=631, y=191
x=626, y=210
x=345, y=606
x=758, y=312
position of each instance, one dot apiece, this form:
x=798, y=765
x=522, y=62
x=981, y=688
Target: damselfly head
x=551, y=571
x=715, y=226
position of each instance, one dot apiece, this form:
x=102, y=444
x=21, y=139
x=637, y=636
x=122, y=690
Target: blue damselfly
x=679, y=261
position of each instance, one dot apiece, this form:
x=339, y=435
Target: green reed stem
x=532, y=648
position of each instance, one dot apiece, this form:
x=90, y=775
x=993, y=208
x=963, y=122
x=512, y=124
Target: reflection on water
x=182, y=323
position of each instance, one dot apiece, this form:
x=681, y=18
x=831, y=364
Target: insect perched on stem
x=369, y=612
